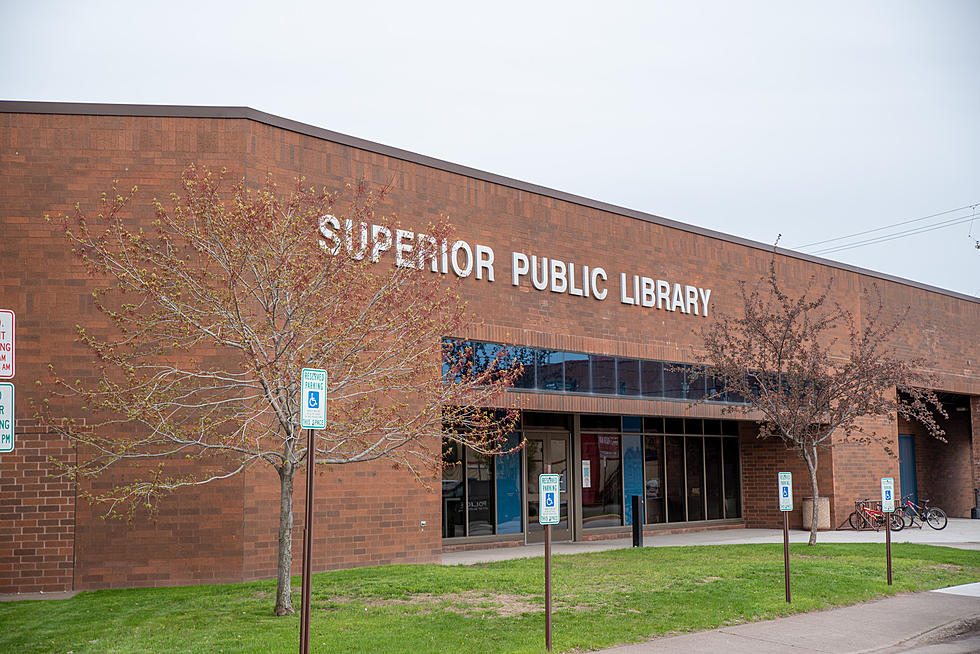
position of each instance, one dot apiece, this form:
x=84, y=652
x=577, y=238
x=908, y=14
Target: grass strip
x=601, y=599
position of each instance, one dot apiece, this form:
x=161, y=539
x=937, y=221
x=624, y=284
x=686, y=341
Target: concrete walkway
x=937, y=621
x=961, y=533
x=945, y=621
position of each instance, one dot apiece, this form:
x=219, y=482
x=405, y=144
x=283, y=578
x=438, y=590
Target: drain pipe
x=975, y=511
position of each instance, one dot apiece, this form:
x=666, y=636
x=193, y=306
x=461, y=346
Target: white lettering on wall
x=424, y=252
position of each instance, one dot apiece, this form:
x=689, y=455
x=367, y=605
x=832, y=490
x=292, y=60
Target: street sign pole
x=549, y=513
x=786, y=505
x=887, y=508
x=304, y=637
x=312, y=415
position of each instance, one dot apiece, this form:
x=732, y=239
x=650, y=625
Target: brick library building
x=603, y=304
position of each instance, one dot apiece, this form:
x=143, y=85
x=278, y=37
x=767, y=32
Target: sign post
x=549, y=513
x=312, y=415
x=6, y=417
x=786, y=505
x=887, y=508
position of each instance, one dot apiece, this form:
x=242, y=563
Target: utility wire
x=878, y=229
x=902, y=234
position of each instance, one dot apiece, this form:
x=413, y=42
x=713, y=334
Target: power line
x=909, y=232
x=878, y=229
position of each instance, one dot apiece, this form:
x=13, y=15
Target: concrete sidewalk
x=961, y=533
x=946, y=621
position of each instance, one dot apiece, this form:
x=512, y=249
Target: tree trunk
x=811, y=464
x=284, y=589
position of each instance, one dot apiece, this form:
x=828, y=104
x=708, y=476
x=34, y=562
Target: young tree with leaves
x=216, y=307
x=811, y=370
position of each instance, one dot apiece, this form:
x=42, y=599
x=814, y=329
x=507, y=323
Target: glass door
x=542, y=449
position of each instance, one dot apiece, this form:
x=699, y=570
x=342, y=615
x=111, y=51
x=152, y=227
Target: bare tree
x=812, y=370
x=215, y=308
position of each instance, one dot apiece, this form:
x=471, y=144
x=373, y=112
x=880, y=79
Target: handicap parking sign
x=313, y=413
x=549, y=499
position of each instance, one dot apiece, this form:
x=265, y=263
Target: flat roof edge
x=247, y=113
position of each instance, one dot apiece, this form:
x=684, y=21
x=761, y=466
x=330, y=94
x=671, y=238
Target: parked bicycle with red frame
x=868, y=515
x=923, y=513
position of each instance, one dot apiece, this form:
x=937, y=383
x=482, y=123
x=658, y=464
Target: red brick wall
x=37, y=514
x=762, y=461
x=228, y=532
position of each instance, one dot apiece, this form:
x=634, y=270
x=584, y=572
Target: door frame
x=570, y=480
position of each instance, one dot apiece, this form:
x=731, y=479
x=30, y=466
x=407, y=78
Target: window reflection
x=575, y=372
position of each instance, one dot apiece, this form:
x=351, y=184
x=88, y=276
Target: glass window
x=545, y=419
x=455, y=355
x=714, y=390
x=479, y=500
x=526, y=357
x=627, y=377
x=693, y=426
x=550, y=371
x=654, y=475
x=577, y=372
x=611, y=423
x=507, y=478
x=653, y=425
x=695, y=385
x=602, y=499
x=603, y=374
x=651, y=378
x=674, y=461
x=673, y=425
x=632, y=423
x=485, y=356
x=712, y=427
x=695, y=477
x=453, y=508
x=713, y=483
x=729, y=427
x=733, y=495
x=675, y=381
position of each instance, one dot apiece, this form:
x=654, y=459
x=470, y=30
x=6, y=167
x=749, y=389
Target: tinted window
x=550, y=371
x=651, y=378
x=603, y=374
x=675, y=381
x=627, y=377
x=577, y=372
x=526, y=357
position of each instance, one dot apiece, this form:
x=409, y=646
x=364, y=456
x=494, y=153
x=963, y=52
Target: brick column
x=37, y=513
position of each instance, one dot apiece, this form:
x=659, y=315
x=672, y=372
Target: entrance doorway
x=906, y=466
x=540, y=450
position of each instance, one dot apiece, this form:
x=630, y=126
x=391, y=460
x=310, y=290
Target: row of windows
x=687, y=470
x=574, y=372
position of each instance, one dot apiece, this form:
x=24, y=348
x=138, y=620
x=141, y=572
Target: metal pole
x=888, y=545
x=547, y=572
x=637, y=506
x=304, y=634
x=786, y=551
x=547, y=586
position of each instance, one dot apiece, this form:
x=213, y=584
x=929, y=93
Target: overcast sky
x=815, y=120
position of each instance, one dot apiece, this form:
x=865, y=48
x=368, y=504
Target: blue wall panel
x=632, y=472
x=508, y=473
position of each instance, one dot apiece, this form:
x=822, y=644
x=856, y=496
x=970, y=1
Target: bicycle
x=866, y=517
x=930, y=515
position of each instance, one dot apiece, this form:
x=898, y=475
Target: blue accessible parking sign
x=313, y=412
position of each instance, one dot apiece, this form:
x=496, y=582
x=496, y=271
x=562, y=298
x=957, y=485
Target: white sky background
x=811, y=119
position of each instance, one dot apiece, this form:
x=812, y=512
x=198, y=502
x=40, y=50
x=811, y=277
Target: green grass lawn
x=600, y=599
